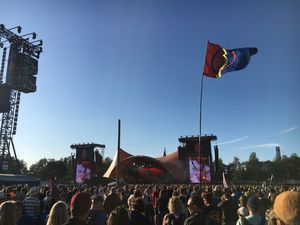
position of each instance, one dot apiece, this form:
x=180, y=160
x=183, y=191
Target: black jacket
x=75, y=221
x=195, y=219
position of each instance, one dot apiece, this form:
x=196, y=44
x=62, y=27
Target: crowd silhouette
x=150, y=205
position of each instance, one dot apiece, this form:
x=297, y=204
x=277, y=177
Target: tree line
x=279, y=169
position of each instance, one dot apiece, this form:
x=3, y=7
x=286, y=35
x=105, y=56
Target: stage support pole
x=200, y=128
x=118, y=152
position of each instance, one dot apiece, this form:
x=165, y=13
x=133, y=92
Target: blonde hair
x=8, y=213
x=58, y=214
x=175, y=205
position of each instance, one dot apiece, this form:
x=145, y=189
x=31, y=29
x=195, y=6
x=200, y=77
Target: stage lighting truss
x=33, y=48
x=28, y=50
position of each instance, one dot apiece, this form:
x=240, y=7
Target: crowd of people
x=150, y=205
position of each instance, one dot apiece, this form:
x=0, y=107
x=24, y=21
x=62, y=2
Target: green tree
x=69, y=165
x=234, y=169
x=47, y=169
x=37, y=168
x=293, y=168
x=18, y=167
x=253, y=168
x=54, y=170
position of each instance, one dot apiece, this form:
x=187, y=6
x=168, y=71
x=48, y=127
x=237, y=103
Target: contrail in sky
x=287, y=130
x=233, y=141
x=268, y=145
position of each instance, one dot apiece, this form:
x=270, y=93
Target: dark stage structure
x=86, y=161
x=22, y=53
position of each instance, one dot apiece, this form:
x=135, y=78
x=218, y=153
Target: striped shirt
x=30, y=205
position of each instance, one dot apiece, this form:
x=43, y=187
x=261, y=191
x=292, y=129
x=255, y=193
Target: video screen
x=199, y=170
x=83, y=171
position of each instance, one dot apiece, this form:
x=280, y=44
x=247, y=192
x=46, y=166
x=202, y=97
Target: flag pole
x=200, y=127
x=200, y=118
x=118, y=153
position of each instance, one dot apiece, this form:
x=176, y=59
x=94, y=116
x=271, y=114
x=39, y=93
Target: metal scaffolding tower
x=20, y=77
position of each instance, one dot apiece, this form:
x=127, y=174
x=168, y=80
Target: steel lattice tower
x=20, y=77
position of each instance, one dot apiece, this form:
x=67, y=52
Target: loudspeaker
x=21, y=71
x=98, y=158
x=205, y=149
x=181, y=153
x=85, y=154
x=4, y=98
x=216, y=158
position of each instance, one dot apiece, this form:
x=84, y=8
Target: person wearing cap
x=80, y=207
x=254, y=218
x=286, y=209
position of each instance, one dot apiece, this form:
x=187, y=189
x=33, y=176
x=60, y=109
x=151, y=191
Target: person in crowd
x=149, y=211
x=155, y=196
x=136, y=215
x=161, y=206
x=10, y=193
x=47, y=198
x=22, y=219
x=212, y=212
x=58, y=214
x=97, y=215
x=111, y=201
x=243, y=210
x=286, y=209
x=254, y=218
x=20, y=195
x=265, y=203
x=80, y=207
x=119, y=216
x=32, y=203
x=177, y=214
x=183, y=196
x=228, y=209
x=195, y=209
x=2, y=197
x=136, y=194
x=8, y=213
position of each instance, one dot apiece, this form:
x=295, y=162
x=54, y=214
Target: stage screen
x=194, y=170
x=83, y=171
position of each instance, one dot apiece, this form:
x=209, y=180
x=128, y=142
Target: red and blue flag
x=219, y=60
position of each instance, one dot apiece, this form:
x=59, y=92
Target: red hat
x=81, y=202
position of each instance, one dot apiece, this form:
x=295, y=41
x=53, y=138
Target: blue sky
x=141, y=62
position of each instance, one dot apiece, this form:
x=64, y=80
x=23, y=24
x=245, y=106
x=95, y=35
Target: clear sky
x=141, y=61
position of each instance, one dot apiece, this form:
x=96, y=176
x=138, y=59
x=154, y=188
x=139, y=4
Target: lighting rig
x=17, y=74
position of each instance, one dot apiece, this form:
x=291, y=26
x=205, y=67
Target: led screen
x=83, y=171
x=196, y=169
